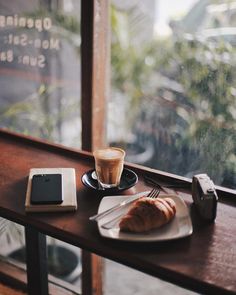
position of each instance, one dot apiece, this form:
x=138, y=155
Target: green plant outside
x=200, y=125
x=194, y=132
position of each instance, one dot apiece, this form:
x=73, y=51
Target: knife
x=116, y=207
x=111, y=223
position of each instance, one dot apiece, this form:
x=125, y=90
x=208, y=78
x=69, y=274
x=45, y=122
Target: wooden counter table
x=204, y=262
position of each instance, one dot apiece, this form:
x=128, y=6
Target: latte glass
x=109, y=163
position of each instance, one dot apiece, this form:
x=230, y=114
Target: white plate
x=180, y=226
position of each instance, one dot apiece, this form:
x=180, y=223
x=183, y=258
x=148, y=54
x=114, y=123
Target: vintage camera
x=204, y=196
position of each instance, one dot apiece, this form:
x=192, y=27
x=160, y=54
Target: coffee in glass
x=109, y=163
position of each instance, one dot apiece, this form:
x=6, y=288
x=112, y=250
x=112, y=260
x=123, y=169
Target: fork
x=114, y=208
x=3, y=224
x=153, y=194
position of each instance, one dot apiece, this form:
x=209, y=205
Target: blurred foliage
x=129, y=69
x=179, y=96
x=40, y=114
x=43, y=112
x=207, y=72
x=182, y=96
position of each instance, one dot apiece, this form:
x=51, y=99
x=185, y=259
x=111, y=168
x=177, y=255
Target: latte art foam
x=109, y=164
x=109, y=153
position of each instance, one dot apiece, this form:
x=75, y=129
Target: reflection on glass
x=173, y=88
x=40, y=69
x=40, y=96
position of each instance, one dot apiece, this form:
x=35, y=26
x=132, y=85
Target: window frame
x=95, y=61
x=95, y=58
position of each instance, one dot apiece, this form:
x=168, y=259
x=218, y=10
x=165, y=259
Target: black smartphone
x=46, y=189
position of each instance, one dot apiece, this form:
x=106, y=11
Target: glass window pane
x=173, y=86
x=40, y=96
x=40, y=69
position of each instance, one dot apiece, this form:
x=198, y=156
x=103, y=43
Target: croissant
x=146, y=214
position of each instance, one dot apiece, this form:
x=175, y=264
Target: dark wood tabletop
x=204, y=262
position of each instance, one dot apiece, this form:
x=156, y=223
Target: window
x=173, y=98
x=40, y=96
x=40, y=69
x=173, y=86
